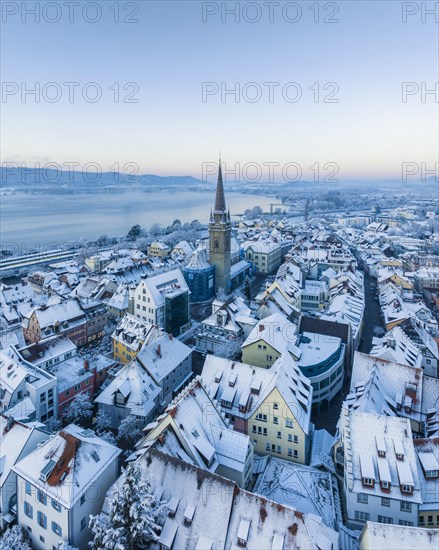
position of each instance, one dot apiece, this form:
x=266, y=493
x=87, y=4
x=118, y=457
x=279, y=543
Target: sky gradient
x=171, y=52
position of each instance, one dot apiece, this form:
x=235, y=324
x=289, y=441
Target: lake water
x=29, y=221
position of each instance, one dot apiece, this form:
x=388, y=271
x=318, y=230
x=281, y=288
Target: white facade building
x=381, y=481
x=62, y=483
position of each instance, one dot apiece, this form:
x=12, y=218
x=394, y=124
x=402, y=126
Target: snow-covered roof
x=162, y=356
x=72, y=459
x=198, y=433
x=397, y=347
x=136, y=385
x=358, y=435
x=198, y=259
x=52, y=348
x=309, y=490
x=382, y=386
x=65, y=311
x=120, y=299
x=284, y=375
x=133, y=332
x=315, y=348
x=166, y=284
x=13, y=440
x=275, y=331
x=222, y=511
x=347, y=309
x=321, y=453
x=381, y=536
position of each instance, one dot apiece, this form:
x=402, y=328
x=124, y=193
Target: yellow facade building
x=272, y=406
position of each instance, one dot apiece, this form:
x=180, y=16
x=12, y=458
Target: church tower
x=220, y=230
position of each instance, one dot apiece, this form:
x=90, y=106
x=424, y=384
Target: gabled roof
x=162, y=356
x=310, y=490
x=72, y=460
x=284, y=375
x=136, y=385
x=166, y=284
x=195, y=431
x=13, y=441
x=275, y=331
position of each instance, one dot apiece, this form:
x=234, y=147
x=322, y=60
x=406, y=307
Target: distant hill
x=28, y=177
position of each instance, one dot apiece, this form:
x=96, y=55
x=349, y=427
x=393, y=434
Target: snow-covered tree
x=135, y=516
x=129, y=429
x=108, y=437
x=15, y=538
x=53, y=425
x=80, y=409
x=66, y=546
x=102, y=421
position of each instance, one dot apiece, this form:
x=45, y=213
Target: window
x=289, y=423
x=82, y=500
x=279, y=449
x=56, y=529
x=430, y=520
x=267, y=446
x=279, y=435
x=385, y=519
x=290, y=438
x=296, y=439
x=290, y=452
x=28, y=510
x=261, y=417
x=42, y=520
x=385, y=501
x=421, y=520
x=56, y=505
x=406, y=488
x=254, y=429
x=276, y=406
x=67, y=393
x=41, y=497
x=405, y=506
x=83, y=523
x=295, y=453
x=275, y=419
x=28, y=488
x=362, y=516
x=368, y=481
x=361, y=497
x=405, y=522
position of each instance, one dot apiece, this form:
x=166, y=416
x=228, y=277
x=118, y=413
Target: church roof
x=220, y=201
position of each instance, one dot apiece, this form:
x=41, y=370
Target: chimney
x=86, y=365
x=10, y=423
x=159, y=350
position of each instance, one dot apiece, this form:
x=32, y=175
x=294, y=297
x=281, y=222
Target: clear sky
x=170, y=52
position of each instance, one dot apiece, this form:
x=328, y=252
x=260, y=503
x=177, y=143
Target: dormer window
x=407, y=489
x=385, y=485
x=368, y=481
x=399, y=456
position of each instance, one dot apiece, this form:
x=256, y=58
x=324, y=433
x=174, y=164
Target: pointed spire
x=220, y=201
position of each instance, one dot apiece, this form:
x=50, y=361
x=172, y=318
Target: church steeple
x=220, y=200
x=220, y=230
